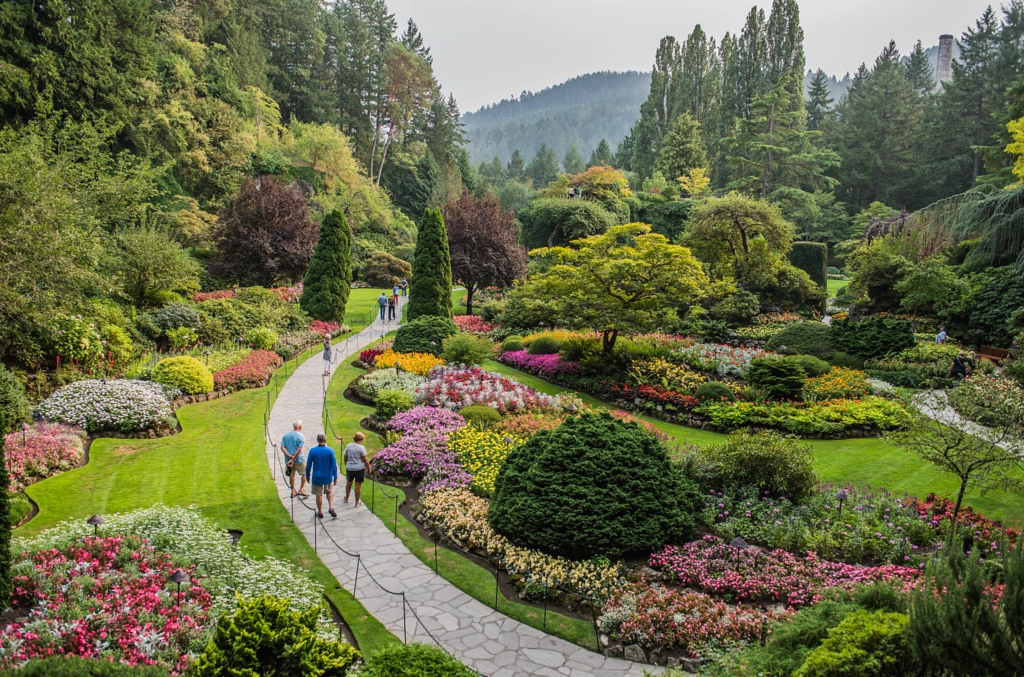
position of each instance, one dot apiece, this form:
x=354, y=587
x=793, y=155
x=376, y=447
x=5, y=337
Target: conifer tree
x=329, y=278
x=602, y=156
x=543, y=168
x=516, y=167
x=6, y=586
x=819, y=103
x=573, y=163
x=682, y=149
x=430, y=290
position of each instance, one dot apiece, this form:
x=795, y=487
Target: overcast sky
x=487, y=50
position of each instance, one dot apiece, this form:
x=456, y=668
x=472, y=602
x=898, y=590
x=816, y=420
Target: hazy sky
x=487, y=50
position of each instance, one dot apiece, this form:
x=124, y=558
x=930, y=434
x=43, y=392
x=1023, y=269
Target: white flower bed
x=191, y=538
x=390, y=379
x=123, y=405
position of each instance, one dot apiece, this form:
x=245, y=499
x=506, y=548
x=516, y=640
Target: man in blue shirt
x=293, y=445
x=941, y=336
x=322, y=471
x=382, y=302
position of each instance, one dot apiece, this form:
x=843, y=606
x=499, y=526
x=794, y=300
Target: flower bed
x=463, y=386
x=529, y=424
x=754, y=575
x=656, y=394
x=423, y=442
x=838, y=384
x=721, y=359
x=545, y=366
x=388, y=379
x=123, y=405
x=461, y=518
x=655, y=617
x=251, y=372
x=874, y=526
x=938, y=511
x=42, y=451
x=213, y=295
x=473, y=323
x=321, y=327
x=659, y=372
x=368, y=356
x=818, y=418
x=415, y=363
x=482, y=453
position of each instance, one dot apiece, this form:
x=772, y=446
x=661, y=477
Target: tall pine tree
x=573, y=163
x=430, y=290
x=682, y=149
x=602, y=156
x=328, y=281
x=543, y=168
x=819, y=103
x=516, y=167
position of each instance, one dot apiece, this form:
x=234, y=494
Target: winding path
x=491, y=643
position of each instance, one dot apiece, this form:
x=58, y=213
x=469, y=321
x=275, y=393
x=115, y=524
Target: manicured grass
x=218, y=464
x=835, y=285
x=20, y=507
x=362, y=307
x=457, y=294
x=466, y=575
x=864, y=462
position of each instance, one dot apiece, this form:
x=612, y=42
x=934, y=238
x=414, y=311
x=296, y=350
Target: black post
x=373, y=494
x=314, y=531
x=396, y=515
x=359, y=560
x=545, y=606
x=496, y=588
x=293, y=503
x=435, y=550
x=405, y=634
x=597, y=631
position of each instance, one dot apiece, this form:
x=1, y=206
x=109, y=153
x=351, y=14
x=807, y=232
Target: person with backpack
x=962, y=367
x=391, y=307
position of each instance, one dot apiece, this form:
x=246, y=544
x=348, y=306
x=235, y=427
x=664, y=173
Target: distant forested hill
x=583, y=111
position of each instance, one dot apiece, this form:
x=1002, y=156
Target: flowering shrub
x=938, y=511
x=460, y=387
x=759, y=332
x=370, y=354
x=751, y=574
x=288, y=293
x=545, y=366
x=482, y=453
x=250, y=372
x=44, y=450
x=321, y=327
x=105, y=598
x=415, y=363
x=220, y=358
x=423, y=443
x=529, y=424
x=560, y=335
x=839, y=384
x=666, y=374
x=654, y=393
x=213, y=295
x=461, y=518
x=721, y=359
x=874, y=526
x=295, y=341
x=389, y=379
x=123, y=405
x=473, y=323
x=654, y=616
x=989, y=398
x=808, y=419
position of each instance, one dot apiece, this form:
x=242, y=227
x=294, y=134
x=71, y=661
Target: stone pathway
x=489, y=642
x=935, y=405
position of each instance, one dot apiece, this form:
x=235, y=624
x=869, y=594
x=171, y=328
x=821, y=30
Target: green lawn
x=864, y=462
x=362, y=307
x=835, y=285
x=468, y=576
x=218, y=464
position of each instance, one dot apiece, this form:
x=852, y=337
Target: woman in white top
x=355, y=466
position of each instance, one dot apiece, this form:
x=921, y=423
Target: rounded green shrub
x=740, y=308
x=805, y=338
x=14, y=404
x=391, y=402
x=465, y=348
x=73, y=666
x=811, y=365
x=864, y=643
x=578, y=348
x=776, y=377
x=177, y=315
x=262, y=338
x=714, y=390
x=425, y=334
x=414, y=660
x=185, y=373
x=480, y=415
x=841, y=359
x=544, y=345
x=774, y=463
x=181, y=338
x=593, y=486
x=512, y=344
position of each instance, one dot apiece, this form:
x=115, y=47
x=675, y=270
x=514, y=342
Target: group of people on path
x=389, y=304
x=319, y=468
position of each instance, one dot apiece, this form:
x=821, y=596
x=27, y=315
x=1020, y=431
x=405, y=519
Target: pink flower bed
x=752, y=574
x=472, y=323
x=542, y=365
x=212, y=295
x=44, y=450
x=655, y=616
x=321, y=327
x=460, y=387
x=422, y=450
x=104, y=598
x=251, y=372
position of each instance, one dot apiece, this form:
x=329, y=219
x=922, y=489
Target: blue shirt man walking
x=382, y=302
x=322, y=472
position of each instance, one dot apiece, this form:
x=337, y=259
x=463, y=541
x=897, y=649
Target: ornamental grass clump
x=44, y=450
x=594, y=485
x=122, y=405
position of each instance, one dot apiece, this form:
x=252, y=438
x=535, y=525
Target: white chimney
x=944, y=69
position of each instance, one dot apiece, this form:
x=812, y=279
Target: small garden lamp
x=841, y=496
x=571, y=409
x=740, y=546
x=24, y=435
x=95, y=521
x=178, y=577
x=780, y=349
x=208, y=353
x=508, y=441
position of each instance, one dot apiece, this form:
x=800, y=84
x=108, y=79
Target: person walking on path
x=293, y=444
x=940, y=338
x=391, y=308
x=322, y=472
x=962, y=366
x=405, y=287
x=394, y=292
x=382, y=303
x=355, y=466
x=327, y=355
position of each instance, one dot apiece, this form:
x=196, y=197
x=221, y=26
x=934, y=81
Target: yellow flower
x=415, y=363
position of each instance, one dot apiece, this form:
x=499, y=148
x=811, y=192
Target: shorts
x=299, y=468
x=355, y=475
x=322, y=489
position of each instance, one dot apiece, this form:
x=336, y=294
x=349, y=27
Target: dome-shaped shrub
x=185, y=373
x=425, y=334
x=262, y=338
x=811, y=365
x=593, y=486
x=544, y=345
x=480, y=415
x=512, y=344
x=805, y=338
x=714, y=390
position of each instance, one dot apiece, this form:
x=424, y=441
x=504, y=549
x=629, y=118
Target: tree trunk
x=956, y=513
x=469, y=299
x=608, y=337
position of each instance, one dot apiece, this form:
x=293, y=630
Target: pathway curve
x=489, y=642
x=935, y=405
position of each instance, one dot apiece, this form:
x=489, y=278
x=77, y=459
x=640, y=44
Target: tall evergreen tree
x=698, y=91
x=785, y=40
x=543, y=168
x=920, y=72
x=656, y=112
x=819, y=103
x=328, y=281
x=430, y=290
x=573, y=163
x=6, y=582
x=682, y=149
x=602, y=156
x=412, y=40
x=516, y=167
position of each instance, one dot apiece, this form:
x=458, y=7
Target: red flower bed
x=755, y=575
x=321, y=327
x=370, y=354
x=104, y=598
x=211, y=295
x=250, y=372
x=939, y=511
x=657, y=394
x=472, y=323
x=288, y=293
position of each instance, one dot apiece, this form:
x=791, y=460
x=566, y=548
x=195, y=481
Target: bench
x=994, y=354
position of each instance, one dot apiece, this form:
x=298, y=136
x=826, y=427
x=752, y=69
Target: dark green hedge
x=811, y=257
x=805, y=338
x=424, y=335
x=593, y=486
x=873, y=337
x=328, y=280
x=430, y=290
